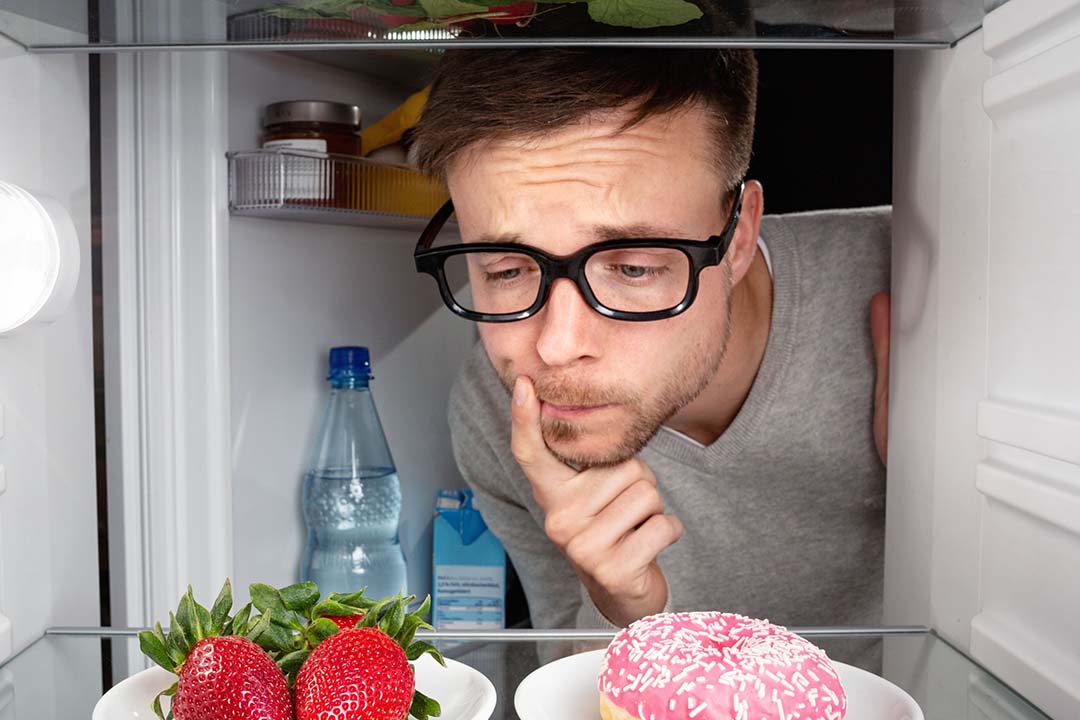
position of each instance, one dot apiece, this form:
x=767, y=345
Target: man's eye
x=636, y=272
x=503, y=275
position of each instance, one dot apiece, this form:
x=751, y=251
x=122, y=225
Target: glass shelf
x=947, y=684
x=111, y=25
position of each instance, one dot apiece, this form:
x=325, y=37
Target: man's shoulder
x=843, y=226
x=478, y=398
x=836, y=217
x=845, y=246
x=479, y=419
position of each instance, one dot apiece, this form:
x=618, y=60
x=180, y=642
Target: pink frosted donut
x=716, y=666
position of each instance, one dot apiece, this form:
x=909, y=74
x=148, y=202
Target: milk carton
x=468, y=567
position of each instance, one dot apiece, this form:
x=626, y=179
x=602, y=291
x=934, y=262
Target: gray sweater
x=784, y=512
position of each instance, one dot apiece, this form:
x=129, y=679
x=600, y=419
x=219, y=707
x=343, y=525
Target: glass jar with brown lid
x=310, y=133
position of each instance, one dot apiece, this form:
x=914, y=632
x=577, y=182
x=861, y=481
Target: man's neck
x=710, y=413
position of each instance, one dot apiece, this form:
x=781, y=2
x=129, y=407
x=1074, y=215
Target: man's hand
x=608, y=522
x=879, y=334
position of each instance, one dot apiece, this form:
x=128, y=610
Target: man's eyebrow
x=634, y=230
x=504, y=239
x=600, y=233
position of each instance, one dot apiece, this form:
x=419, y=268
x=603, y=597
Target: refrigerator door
x=48, y=494
x=983, y=510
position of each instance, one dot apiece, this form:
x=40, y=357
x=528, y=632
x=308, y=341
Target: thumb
x=527, y=438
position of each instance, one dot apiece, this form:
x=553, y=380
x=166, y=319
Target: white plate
x=566, y=690
x=463, y=692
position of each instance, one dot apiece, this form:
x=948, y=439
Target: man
x=670, y=450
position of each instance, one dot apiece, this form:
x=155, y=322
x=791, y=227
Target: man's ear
x=740, y=254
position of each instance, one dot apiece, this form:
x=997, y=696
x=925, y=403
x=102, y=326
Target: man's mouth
x=570, y=412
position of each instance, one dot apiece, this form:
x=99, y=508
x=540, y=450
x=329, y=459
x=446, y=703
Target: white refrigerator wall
x=48, y=521
x=296, y=290
x=983, y=535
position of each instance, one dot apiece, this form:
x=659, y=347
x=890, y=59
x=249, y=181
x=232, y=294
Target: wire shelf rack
x=337, y=189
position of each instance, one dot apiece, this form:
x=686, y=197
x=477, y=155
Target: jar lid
x=312, y=111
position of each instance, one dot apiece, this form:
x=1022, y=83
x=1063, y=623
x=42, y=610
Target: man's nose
x=566, y=326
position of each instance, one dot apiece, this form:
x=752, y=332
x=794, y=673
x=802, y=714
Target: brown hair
x=480, y=95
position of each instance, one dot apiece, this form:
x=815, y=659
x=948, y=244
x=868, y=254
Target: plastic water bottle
x=352, y=496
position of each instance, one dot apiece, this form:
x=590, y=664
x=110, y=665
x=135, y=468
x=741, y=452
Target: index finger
x=527, y=438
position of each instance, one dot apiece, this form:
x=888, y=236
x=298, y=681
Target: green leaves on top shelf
x=643, y=13
x=425, y=14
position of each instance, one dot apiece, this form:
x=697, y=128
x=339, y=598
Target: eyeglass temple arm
x=435, y=225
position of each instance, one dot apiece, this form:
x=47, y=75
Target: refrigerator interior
x=215, y=331
x=296, y=289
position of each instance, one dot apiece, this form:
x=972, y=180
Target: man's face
x=605, y=385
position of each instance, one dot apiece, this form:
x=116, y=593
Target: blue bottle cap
x=352, y=360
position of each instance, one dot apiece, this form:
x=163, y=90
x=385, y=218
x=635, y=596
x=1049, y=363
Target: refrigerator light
x=39, y=258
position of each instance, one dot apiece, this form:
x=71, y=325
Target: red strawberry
x=230, y=678
x=355, y=674
x=346, y=621
x=221, y=676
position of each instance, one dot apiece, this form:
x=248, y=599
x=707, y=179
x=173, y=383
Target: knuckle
x=645, y=495
x=672, y=530
x=557, y=527
x=579, y=550
x=641, y=470
x=542, y=498
x=521, y=452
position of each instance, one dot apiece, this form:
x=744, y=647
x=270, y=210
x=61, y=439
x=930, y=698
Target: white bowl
x=463, y=692
x=566, y=690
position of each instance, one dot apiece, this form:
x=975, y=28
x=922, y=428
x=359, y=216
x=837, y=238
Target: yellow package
x=390, y=128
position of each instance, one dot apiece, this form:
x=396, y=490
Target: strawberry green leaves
x=424, y=707
x=334, y=608
x=288, y=624
x=266, y=598
x=187, y=626
x=299, y=597
x=319, y=630
x=394, y=618
x=219, y=613
x=257, y=627
x=153, y=645
x=290, y=664
x=156, y=706
x=418, y=648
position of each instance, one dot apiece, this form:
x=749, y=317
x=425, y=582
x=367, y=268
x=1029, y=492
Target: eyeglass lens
x=642, y=280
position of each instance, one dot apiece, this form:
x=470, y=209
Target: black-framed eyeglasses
x=635, y=279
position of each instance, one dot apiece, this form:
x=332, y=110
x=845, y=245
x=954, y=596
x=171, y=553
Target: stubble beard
x=690, y=376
